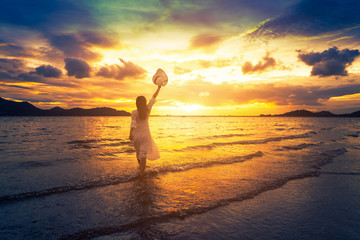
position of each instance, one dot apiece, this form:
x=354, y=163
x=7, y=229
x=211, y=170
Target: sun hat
x=160, y=78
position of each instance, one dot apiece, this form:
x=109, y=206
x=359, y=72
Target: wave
x=10, y=166
x=187, y=212
x=95, y=140
x=355, y=134
x=33, y=164
x=327, y=129
x=187, y=166
x=96, y=143
x=324, y=158
x=342, y=173
x=123, y=179
x=223, y=136
x=64, y=189
x=299, y=146
x=246, y=142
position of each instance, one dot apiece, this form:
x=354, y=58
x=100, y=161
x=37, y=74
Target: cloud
x=15, y=86
x=244, y=93
x=180, y=71
x=13, y=50
x=11, y=65
x=204, y=94
x=32, y=78
x=14, y=70
x=205, y=40
x=96, y=39
x=260, y=66
x=298, y=95
x=127, y=70
x=73, y=46
x=77, y=67
x=48, y=71
x=28, y=77
x=329, y=62
x=312, y=18
x=191, y=65
x=78, y=44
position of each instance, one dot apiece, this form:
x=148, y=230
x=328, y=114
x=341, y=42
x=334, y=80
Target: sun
x=191, y=108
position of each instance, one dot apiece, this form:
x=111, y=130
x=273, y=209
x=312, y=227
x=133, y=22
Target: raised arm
x=157, y=92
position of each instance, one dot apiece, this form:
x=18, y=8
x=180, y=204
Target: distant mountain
x=306, y=113
x=11, y=108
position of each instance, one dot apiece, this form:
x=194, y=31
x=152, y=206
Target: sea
x=217, y=178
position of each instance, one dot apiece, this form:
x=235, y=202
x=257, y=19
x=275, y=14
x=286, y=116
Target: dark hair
x=141, y=107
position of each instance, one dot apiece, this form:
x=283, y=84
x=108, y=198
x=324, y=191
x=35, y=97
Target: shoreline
x=321, y=207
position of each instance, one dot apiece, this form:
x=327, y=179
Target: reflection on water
x=82, y=171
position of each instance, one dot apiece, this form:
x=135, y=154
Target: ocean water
x=217, y=178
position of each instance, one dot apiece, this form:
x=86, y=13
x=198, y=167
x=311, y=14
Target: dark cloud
x=32, y=78
x=72, y=46
x=77, y=44
x=13, y=50
x=15, y=86
x=5, y=76
x=96, y=39
x=28, y=77
x=11, y=65
x=48, y=71
x=205, y=40
x=311, y=18
x=77, y=67
x=10, y=69
x=260, y=66
x=14, y=70
x=329, y=62
x=127, y=70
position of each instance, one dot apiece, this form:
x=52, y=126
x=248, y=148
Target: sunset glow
x=221, y=57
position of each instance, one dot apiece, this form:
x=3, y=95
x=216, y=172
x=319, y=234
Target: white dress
x=144, y=144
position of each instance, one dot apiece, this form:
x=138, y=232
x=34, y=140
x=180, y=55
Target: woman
x=140, y=135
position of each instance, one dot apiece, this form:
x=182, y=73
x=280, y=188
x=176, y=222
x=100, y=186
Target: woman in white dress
x=140, y=135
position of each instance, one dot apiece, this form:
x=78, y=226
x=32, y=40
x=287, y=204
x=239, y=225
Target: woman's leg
x=142, y=165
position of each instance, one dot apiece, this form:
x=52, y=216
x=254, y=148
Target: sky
x=222, y=57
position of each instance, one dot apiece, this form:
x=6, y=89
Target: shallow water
x=76, y=177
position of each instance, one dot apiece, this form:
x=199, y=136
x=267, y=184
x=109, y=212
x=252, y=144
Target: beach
x=217, y=178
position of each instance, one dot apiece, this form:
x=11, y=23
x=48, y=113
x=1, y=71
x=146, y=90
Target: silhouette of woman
x=140, y=135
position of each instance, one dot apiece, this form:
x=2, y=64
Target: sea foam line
x=246, y=142
x=119, y=180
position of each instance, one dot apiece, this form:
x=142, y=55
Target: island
x=306, y=113
x=12, y=108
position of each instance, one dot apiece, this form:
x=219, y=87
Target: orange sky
x=221, y=57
